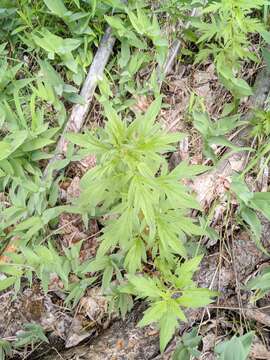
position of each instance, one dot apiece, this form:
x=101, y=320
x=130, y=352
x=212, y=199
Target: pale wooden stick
x=80, y=112
x=174, y=50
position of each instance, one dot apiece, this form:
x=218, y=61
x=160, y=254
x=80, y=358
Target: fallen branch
x=80, y=112
x=173, y=52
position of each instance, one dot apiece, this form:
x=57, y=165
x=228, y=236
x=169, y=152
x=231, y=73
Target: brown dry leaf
x=31, y=306
x=142, y=104
x=210, y=275
x=259, y=351
x=209, y=187
x=247, y=255
x=72, y=231
x=120, y=344
x=11, y=248
x=91, y=313
x=77, y=333
x=88, y=163
x=209, y=342
x=71, y=228
x=94, y=305
x=123, y=340
x=73, y=190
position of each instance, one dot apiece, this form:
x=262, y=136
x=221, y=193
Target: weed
x=260, y=284
x=45, y=49
x=225, y=36
x=237, y=346
x=146, y=205
x=188, y=346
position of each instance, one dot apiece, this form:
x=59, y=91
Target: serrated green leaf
x=146, y=287
x=168, y=324
x=154, y=313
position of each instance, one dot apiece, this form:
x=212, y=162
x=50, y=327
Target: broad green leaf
x=239, y=187
x=261, y=282
x=35, y=144
x=260, y=201
x=6, y=283
x=98, y=264
x=150, y=116
x=184, y=170
x=135, y=22
x=266, y=36
x=146, y=287
x=237, y=348
x=194, y=300
x=29, y=223
x=189, y=266
x=251, y=218
x=55, y=44
x=154, y=313
x=107, y=277
x=115, y=22
x=57, y=7
x=135, y=256
x=168, y=324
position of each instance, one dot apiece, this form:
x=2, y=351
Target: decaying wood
x=80, y=111
x=206, y=185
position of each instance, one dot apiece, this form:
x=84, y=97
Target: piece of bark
x=206, y=184
x=80, y=112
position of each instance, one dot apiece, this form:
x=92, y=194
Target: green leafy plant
x=30, y=335
x=5, y=349
x=238, y=347
x=43, y=262
x=143, y=207
x=146, y=211
x=260, y=284
x=213, y=131
x=260, y=124
x=146, y=208
x=168, y=293
x=188, y=346
x=251, y=203
x=225, y=31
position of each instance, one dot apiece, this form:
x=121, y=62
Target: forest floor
x=227, y=266
x=231, y=256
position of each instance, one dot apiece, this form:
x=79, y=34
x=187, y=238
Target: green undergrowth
x=146, y=247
